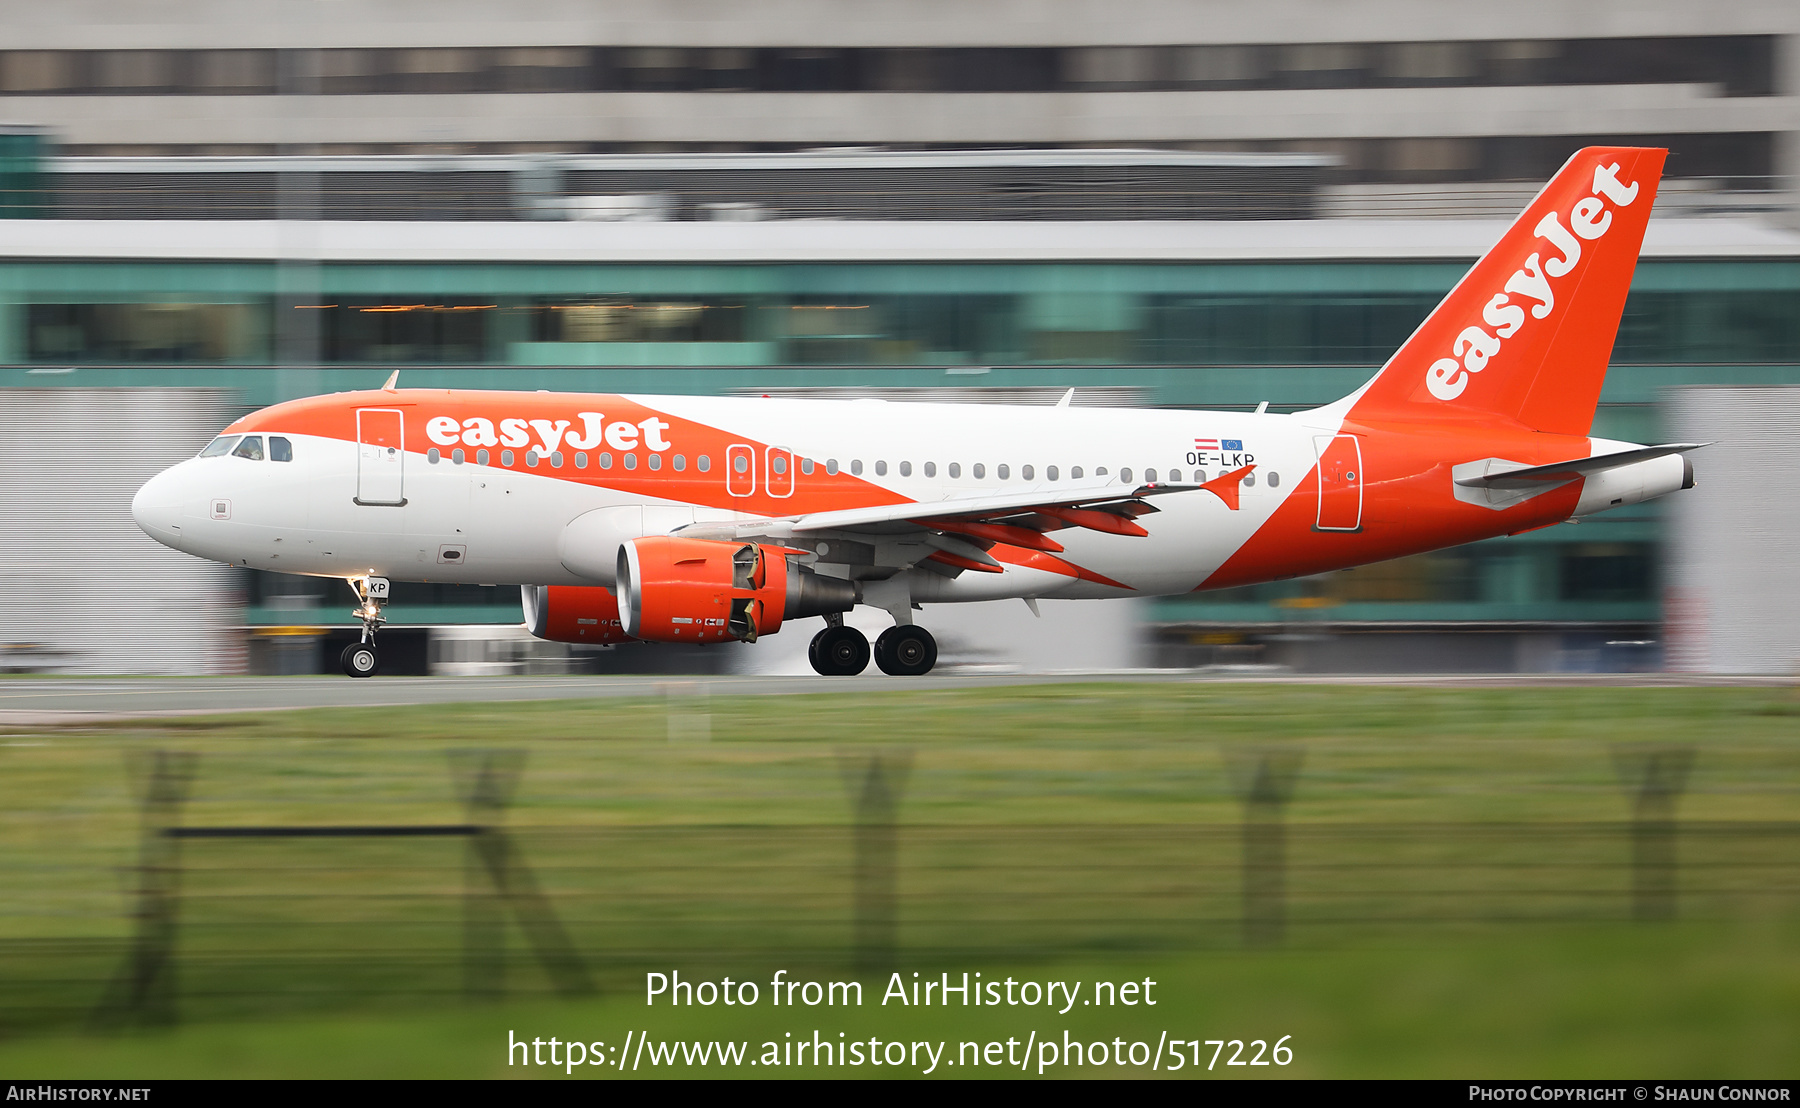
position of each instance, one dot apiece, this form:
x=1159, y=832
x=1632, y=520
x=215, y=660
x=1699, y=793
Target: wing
x=960, y=533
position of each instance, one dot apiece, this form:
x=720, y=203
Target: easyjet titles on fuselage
x=551, y=433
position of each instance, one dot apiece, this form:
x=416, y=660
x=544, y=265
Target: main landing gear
x=839, y=651
x=361, y=659
x=903, y=651
x=906, y=650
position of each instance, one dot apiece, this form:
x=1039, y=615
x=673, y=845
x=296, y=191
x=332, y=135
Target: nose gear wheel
x=361, y=659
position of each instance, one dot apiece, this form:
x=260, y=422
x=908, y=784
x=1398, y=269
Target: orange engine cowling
x=572, y=613
x=698, y=590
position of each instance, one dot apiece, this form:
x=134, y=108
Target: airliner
x=684, y=519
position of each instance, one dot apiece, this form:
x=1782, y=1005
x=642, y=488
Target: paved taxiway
x=65, y=701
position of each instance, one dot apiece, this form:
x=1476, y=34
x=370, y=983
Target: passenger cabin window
x=250, y=448
x=1125, y=475
x=856, y=467
x=906, y=469
x=955, y=470
x=220, y=445
x=1274, y=480
x=703, y=463
x=831, y=466
x=979, y=470
x=281, y=450
x=881, y=469
x=1025, y=472
x=1004, y=471
x=1075, y=473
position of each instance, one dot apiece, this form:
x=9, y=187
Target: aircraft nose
x=157, y=508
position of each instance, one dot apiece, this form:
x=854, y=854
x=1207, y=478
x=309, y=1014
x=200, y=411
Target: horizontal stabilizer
x=1535, y=477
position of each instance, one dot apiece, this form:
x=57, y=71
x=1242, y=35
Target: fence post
x=144, y=990
x=487, y=789
x=875, y=872
x=486, y=782
x=1264, y=782
x=1656, y=776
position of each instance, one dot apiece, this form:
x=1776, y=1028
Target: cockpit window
x=280, y=449
x=220, y=445
x=250, y=448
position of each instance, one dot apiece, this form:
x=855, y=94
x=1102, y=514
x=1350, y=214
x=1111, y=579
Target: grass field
x=1455, y=876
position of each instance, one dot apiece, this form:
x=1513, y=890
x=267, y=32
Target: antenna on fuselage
x=1067, y=396
x=393, y=382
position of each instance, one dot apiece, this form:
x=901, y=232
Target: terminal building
x=1192, y=209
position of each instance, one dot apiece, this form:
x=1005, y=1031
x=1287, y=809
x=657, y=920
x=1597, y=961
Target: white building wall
x=1732, y=599
x=918, y=118
x=94, y=592
x=206, y=24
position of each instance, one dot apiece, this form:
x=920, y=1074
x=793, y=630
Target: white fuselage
x=504, y=524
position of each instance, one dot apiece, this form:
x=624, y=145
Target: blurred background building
x=1178, y=204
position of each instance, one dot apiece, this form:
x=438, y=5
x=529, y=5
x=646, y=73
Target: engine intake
x=572, y=613
x=697, y=590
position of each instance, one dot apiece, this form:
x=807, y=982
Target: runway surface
x=71, y=701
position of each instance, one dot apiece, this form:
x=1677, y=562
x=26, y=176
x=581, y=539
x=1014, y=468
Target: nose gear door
x=380, y=457
x=1340, y=483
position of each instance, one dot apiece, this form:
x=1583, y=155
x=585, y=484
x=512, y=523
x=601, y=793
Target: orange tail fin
x=1526, y=335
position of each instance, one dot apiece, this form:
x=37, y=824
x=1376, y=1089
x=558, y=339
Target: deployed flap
x=963, y=508
x=1534, y=477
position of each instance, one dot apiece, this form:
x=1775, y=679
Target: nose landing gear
x=361, y=659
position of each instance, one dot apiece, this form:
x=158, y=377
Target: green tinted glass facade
x=1223, y=315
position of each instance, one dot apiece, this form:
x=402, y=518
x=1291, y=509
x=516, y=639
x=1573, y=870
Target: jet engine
x=698, y=590
x=572, y=613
